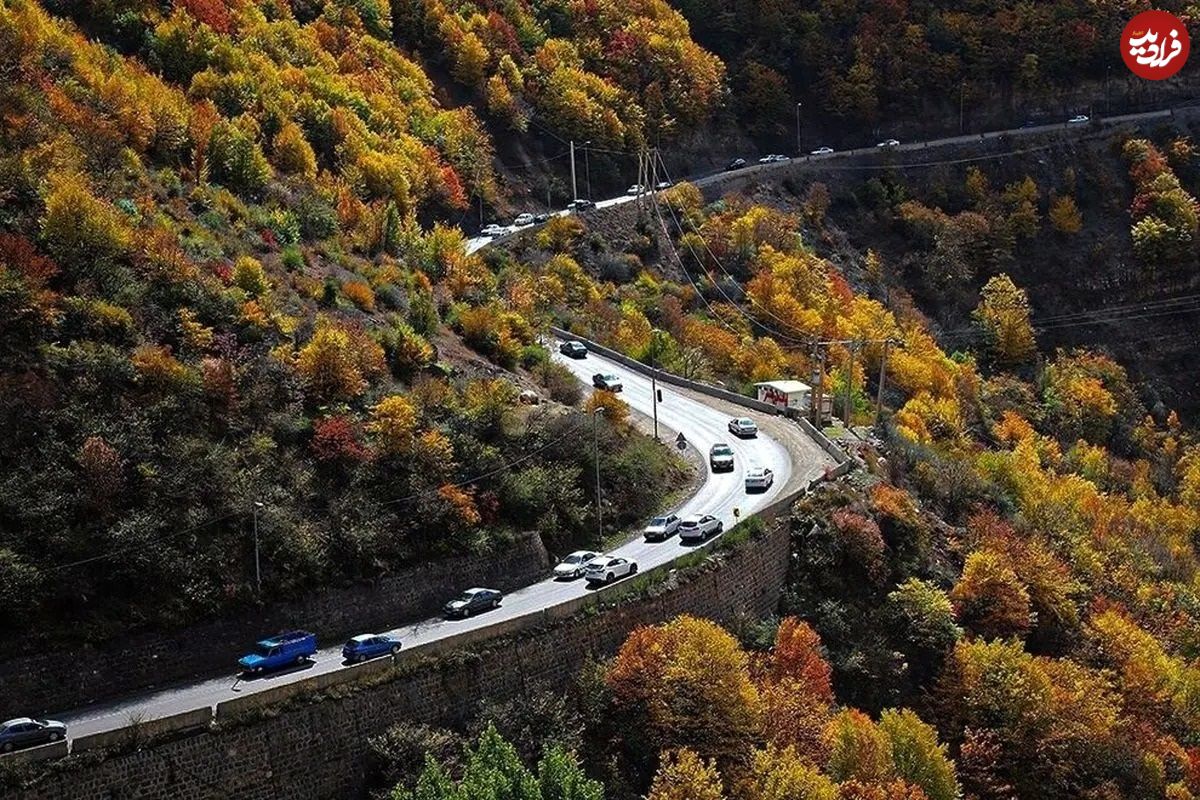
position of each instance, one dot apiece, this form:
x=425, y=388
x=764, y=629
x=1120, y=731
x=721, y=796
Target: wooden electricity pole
x=818, y=406
x=882, y=378
x=853, y=347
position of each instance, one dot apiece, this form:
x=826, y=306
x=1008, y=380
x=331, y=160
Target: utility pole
x=654, y=376
x=257, y=563
x=650, y=187
x=587, y=168
x=849, y=384
x=962, y=87
x=574, y=190
x=882, y=376
x=596, y=412
x=818, y=416
x=799, y=141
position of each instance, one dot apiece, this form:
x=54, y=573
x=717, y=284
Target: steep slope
x=218, y=308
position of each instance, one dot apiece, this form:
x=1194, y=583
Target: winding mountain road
x=703, y=422
x=780, y=446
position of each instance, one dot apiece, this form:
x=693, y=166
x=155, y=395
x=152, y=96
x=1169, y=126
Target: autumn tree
x=781, y=774
x=926, y=624
x=1065, y=216
x=686, y=684
x=292, y=153
x=337, y=362
x=917, y=756
x=394, y=424
x=235, y=159
x=81, y=231
x=683, y=775
x=989, y=598
x=1003, y=317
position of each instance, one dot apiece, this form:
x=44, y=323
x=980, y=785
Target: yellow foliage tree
x=683, y=775
x=1065, y=216
x=78, y=229
x=394, y=423
x=781, y=774
x=337, y=362
x=292, y=153
x=1003, y=315
x=688, y=683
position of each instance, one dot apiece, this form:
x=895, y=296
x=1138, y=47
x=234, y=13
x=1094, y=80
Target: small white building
x=795, y=395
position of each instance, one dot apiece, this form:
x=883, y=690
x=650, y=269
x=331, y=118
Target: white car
x=889, y=143
x=523, y=220
x=493, y=230
x=699, y=527
x=1078, y=119
x=661, y=528
x=661, y=185
x=607, y=568
x=822, y=151
x=637, y=188
x=573, y=565
x=772, y=158
x=743, y=427
x=759, y=479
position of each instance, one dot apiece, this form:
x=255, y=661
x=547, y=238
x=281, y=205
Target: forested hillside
x=859, y=65
x=1021, y=568
x=235, y=297
x=221, y=293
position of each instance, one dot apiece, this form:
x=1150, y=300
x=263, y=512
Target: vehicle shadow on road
x=250, y=677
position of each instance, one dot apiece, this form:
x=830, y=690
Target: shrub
x=359, y=293
x=248, y=275
x=560, y=382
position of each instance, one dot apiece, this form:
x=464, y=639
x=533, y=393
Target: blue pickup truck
x=280, y=651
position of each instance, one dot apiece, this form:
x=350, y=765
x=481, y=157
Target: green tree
x=917, y=756
x=235, y=160
x=561, y=778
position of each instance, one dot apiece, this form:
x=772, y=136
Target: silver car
x=25, y=732
x=573, y=565
x=743, y=427
x=608, y=568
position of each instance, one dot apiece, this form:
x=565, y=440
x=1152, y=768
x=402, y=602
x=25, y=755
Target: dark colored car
x=370, y=645
x=472, y=601
x=580, y=205
x=538, y=219
x=720, y=457
x=737, y=163
x=279, y=651
x=25, y=732
x=573, y=349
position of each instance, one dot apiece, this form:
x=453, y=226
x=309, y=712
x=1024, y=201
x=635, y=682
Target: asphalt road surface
x=719, y=494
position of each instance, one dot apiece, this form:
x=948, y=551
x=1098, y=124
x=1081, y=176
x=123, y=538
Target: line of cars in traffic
x=886, y=144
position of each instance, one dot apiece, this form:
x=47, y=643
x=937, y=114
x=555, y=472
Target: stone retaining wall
x=319, y=749
x=47, y=681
